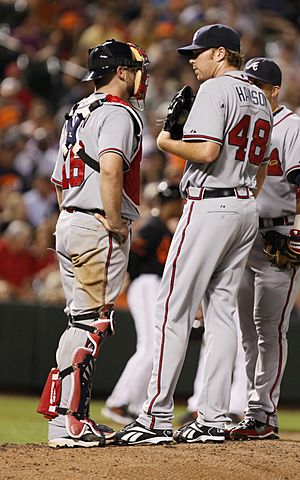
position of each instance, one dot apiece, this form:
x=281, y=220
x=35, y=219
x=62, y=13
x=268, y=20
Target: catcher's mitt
x=178, y=111
x=277, y=248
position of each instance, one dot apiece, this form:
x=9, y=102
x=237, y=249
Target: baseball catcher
x=282, y=249
x=178, y=111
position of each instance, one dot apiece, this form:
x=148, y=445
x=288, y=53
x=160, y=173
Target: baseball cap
x=264, y=69
x=213, y=36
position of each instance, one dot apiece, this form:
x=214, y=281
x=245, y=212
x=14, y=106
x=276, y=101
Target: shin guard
x=83, y=363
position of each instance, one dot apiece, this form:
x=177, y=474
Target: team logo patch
x=254, y=66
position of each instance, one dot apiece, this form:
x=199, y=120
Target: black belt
x=218, y=192
x=82, y=210
x=205, y=192
x=92, y=212
x=276, y=222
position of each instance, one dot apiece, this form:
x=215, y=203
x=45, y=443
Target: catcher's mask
x=105, y=58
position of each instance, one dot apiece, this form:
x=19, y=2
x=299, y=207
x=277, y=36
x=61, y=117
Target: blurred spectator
x=17, y=266
x=37, y=156
x=13, y=208
x=40, y=202
x=10, y=178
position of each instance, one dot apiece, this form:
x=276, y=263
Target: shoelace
x=248, y=423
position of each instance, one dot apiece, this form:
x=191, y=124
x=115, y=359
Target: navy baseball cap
x=213, y=36
x=263, y=69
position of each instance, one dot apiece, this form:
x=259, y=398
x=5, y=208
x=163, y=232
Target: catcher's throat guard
x=81, y=371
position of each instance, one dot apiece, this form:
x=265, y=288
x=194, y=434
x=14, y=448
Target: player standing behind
x=225, y=141
x=147, y=259
x=102, y=134
x=267, y=294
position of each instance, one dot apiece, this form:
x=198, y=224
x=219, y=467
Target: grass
x=21, y=424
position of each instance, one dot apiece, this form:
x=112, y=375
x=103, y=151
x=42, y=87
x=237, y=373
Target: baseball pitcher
x=226, y=141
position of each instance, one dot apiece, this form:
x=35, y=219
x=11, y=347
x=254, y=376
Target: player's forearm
x=197, y=152
x=260, y=178
x=58, y=195
x=111, y=186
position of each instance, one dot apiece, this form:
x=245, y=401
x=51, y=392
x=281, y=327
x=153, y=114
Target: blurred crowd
x=43, y=56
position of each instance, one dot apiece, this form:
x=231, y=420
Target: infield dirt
x=255, y=460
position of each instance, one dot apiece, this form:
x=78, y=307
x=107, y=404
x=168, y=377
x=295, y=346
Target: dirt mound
x=232, y=460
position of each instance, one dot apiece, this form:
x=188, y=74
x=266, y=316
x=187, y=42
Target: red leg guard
x=78, y=421
x=50, y=397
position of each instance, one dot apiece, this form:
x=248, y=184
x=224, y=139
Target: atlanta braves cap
x=213, y=36
x=264, y=69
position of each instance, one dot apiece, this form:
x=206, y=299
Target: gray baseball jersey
x=107, y=129
x=209, y=250
x=265, y=290
x=277, y=197
x=236, y=115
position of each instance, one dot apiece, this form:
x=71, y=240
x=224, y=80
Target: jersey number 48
x=238, y=137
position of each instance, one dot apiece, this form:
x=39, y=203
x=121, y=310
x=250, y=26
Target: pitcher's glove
x=178, y=111
x=282, y=249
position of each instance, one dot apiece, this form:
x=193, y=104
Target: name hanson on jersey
x=246, y=94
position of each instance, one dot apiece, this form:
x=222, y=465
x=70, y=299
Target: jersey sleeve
x=292, y=154
x=56, y=177
x=117, y=135
x=207, y=117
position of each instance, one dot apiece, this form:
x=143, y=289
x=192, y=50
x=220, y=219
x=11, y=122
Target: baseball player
x=147, y=258
x=226, y=142
x=97, y=181
x=267, y=293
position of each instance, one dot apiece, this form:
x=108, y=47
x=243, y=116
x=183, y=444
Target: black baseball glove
x=178, y=111
x=277, y=248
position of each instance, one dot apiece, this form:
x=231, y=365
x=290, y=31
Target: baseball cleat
x=104, y=435
x=251, y=429
x=117, y=414
x=137, y=434
x=88, y=440
x=195, y=432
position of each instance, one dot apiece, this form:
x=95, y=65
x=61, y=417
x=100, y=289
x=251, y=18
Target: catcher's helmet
x=105, y=58
x=263, y=69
